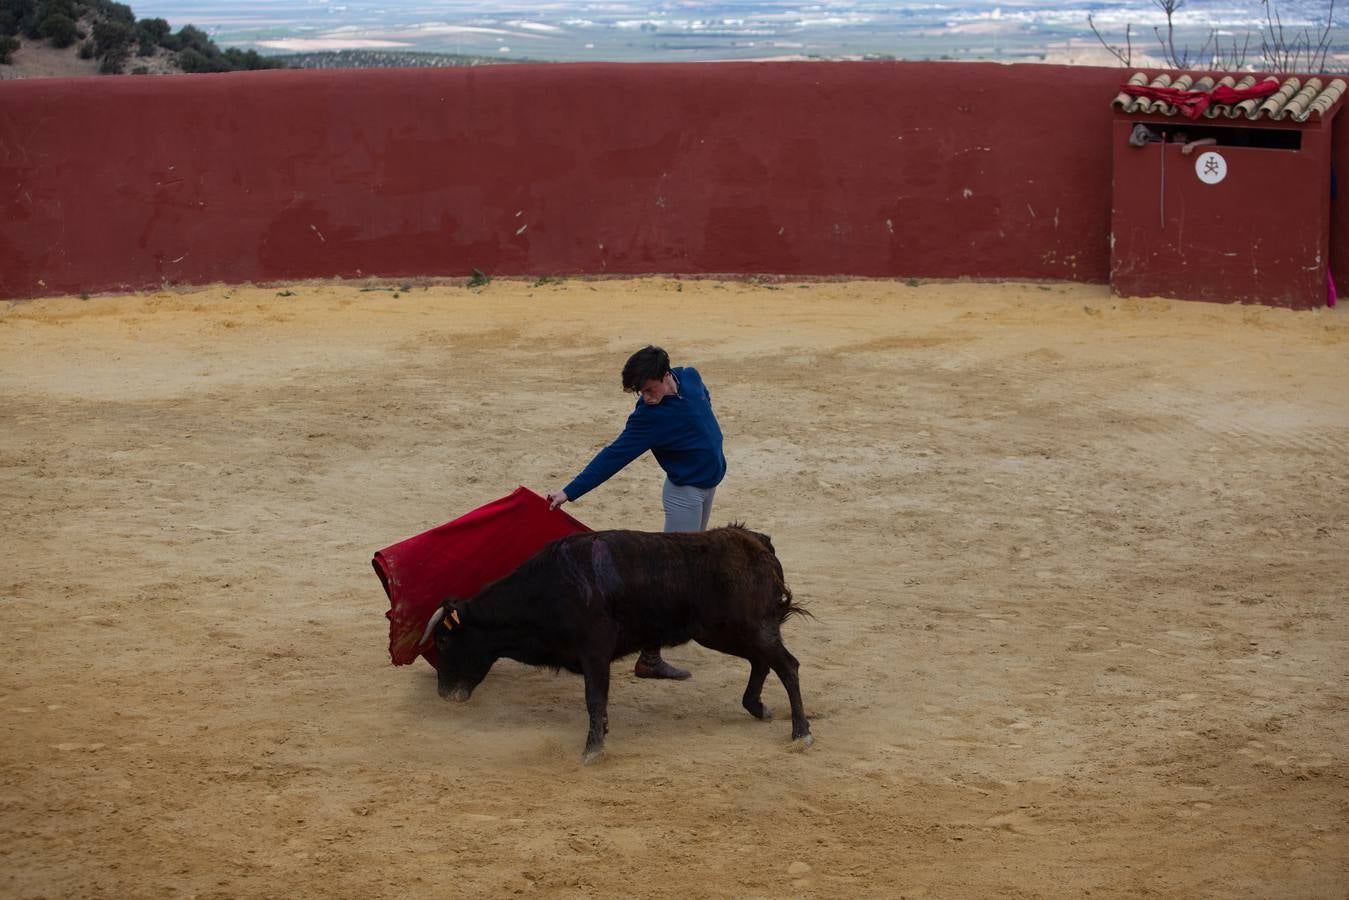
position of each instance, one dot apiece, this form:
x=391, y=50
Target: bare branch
x=1126, y=56
x=1318, y=61
x=1239, y=59
x=1282, y=49
x=1204, y=55
x=1170, y=7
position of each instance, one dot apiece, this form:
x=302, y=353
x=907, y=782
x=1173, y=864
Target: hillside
x=71, y=38
x=38, y=59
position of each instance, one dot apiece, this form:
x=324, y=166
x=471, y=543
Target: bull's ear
x=454, y=617
x=448, y=617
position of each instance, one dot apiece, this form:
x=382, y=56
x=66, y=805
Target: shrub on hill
x=189, y=37
x=151, y=33
x=105, y=9
x=109, y=36
x=59, y=29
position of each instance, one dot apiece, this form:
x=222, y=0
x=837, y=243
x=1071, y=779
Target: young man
x=674, y=420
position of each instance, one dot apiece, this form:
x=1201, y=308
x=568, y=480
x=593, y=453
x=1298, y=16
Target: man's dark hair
x=648, y=364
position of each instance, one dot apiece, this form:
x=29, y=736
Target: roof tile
x=1295, y=99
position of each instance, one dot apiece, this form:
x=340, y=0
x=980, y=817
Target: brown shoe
x=651, y=665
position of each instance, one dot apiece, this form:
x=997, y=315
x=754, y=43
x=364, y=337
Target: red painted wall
x=873, y=169
x=869, y=169
x=1339, y=207
x=1260, y=235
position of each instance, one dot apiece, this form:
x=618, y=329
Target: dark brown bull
x=588, y=599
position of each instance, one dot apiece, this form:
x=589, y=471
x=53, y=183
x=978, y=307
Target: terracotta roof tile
x=1295, y=99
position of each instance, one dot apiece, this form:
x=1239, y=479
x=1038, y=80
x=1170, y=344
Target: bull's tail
x=787, y=606
x=790, y=608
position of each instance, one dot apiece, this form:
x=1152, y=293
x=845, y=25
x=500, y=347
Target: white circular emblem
x=1210, y=167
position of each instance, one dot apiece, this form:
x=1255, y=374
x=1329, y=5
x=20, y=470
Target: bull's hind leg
x=753, y=699
x=786, y=666
x=746, y=647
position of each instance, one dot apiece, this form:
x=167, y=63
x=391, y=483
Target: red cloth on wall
x=1193, y=103
x=458, y=558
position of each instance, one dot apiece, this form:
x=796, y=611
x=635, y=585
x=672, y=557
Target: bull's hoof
x=803, y=742
x=592, y=756
x=759, y=711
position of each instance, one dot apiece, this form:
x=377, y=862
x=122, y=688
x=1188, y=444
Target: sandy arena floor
x=1078, y=566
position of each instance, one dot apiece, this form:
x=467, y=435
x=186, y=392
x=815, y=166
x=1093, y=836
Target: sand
x=1077, y=565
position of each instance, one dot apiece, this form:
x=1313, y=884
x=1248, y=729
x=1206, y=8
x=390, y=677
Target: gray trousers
x=686, y=508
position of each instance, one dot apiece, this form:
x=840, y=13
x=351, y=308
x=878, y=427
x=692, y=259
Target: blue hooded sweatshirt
x=681, y=431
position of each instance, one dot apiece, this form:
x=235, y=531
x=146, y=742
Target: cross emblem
x=1210, y=167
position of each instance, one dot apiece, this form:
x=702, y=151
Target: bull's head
x=461, y=652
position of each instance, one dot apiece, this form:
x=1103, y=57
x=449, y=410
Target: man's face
x=655, y=391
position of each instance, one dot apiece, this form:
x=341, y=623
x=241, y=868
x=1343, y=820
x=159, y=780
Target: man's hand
x=557, y=498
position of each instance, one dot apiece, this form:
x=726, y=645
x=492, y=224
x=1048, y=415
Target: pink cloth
x=458, y=558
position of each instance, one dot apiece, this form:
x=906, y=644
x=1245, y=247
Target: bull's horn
x=435, y=620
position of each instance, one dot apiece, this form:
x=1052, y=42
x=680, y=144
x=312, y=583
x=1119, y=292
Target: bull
x=585, y=600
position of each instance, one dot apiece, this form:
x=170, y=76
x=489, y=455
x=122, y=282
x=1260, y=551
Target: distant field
x=384, y=59
x=701, y=31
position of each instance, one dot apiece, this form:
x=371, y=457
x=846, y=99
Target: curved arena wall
x=811, y=168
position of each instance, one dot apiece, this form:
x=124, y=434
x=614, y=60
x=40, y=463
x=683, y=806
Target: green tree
x=113, y=12
x=193, y=60
x=193, y=37
x=239, y=59
x=114, y=61
x=30, y=24
x=8, y=45
x=56, y=7
x=153, y=30
x=110, y=36
x=11, y=15
x=59, y=29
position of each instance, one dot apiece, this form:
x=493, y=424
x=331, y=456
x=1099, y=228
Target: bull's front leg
x=597, y=704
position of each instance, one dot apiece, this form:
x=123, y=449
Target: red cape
x=458, y=558
x=1193, y=103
